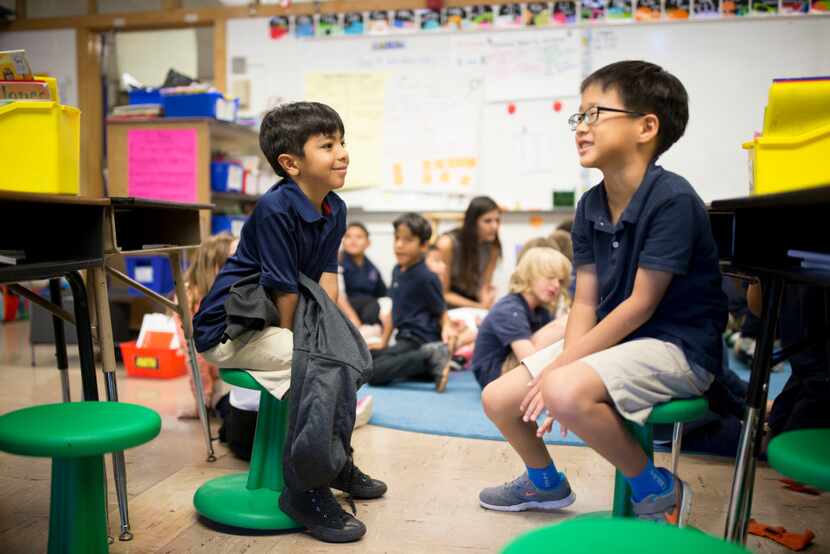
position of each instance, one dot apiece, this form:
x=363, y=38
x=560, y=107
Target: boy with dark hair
x=364, y=284
x=296, y=227
x=646, y=322
x=418, y=313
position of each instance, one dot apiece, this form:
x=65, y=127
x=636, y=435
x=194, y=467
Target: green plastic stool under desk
x=620, y=536
x=803, y=455
x=250, y=500
x=76, y=435
x=677, y=412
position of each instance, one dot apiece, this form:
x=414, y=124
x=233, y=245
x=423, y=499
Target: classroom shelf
x=234, y=197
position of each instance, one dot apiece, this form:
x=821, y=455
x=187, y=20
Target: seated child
x=647, y=318
x=520, y=323
x=364, y=284
x=418, y=313
x=208, y=260
x=296, y=227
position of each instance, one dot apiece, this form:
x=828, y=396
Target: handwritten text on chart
x=162, y=164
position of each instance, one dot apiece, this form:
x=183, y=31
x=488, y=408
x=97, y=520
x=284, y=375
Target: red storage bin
x=157, y=363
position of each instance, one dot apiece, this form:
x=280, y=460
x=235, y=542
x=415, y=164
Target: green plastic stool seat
x=803, y=455
x=251, y=500
x=620, y=536
x=677, y=411
x=76, y=435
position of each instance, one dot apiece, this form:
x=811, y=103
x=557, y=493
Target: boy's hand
x=448, y=334
x=376, y=345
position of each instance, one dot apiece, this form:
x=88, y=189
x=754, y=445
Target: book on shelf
x=136, y=110
x=11, y=257
x=25, y=90
x=14, y=66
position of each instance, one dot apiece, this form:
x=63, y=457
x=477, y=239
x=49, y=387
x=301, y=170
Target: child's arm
x=650, y=286
x=583, y=315
x=386, y=322
x=445, y=246
x=328, y=281
x=447, y=330
x=286, y=303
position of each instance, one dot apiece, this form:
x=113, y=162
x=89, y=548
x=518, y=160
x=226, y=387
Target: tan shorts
x=638, y=374
x=266, y=355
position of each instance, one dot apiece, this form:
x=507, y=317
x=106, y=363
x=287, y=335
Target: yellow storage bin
x=40, y=147
x=794, y=148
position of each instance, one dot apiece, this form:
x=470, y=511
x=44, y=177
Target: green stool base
x=226, y=500
x=77, y=509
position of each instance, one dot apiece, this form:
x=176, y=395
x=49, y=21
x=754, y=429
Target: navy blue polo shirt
x=510, y=319
x=284, y=236
x=362, y=280
x=417, y=303
x=665, y=227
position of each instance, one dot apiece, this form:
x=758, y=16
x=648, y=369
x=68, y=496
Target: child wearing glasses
x=646, y=321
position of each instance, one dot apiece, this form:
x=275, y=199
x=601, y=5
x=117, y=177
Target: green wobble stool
x=620, y=536
x=803, y=455
x=250, y=500
x=76, y=435
x=678, y=412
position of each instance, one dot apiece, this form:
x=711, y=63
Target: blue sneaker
x=672, y=506
x=521, y=494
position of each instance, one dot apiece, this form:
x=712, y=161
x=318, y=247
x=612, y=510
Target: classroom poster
x=593, y=10
x=705, y=8
x=455, y=18
x=509, y=16
x=278, y=27
x=304, y=26
x=481, y=16
x=765, y=7
x=430, y=20
x=620, y=10
x=734, y=8
x=404, y=21
x=353, y=23
x=378, y=22
x=792, y=7
x=648, y=10
x=564, y=12
x=328, y=25
x=537, y=14
x=677, y=9
x=162, y=164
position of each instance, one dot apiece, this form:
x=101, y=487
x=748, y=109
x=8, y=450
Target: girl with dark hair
x=471, y=253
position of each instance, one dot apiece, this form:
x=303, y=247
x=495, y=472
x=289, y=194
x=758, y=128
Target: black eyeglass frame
x=577, y=118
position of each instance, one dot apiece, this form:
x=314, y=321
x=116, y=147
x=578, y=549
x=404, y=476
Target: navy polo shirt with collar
x=284, y=236
x=665, y=227
x=362, y=280
x=417, y=303
x=510, y=319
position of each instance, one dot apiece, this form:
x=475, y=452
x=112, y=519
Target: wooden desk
x=753, y=235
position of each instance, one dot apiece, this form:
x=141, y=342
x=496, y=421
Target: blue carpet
x=413, y=406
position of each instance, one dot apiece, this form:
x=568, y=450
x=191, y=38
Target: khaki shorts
x=266, y=355
x=638, y=374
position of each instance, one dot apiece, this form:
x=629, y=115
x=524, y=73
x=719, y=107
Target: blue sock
x=652, y=480
x=546, y=478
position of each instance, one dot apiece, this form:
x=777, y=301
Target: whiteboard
x=467, y=113
x=50, y=52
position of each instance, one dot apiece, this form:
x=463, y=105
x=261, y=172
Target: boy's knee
x=561, y=396
x=495, y=402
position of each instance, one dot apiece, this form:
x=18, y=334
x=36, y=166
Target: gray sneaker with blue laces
x=521, y=494
x=673, y=506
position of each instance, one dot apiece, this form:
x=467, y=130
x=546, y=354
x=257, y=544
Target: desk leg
x=84, y=330
x=740, y=503
x=187, y=328
x=99, y=292
x=60, y=339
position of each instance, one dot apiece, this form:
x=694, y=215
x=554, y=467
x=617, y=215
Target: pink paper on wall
x=162, y=164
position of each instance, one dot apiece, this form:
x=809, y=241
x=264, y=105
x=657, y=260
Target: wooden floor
x=431, y=505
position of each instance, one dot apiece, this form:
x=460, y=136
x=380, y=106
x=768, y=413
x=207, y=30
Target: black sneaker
x=354, y=482
x=318, y=511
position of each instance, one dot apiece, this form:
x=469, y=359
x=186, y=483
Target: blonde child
x=207, y=261
x=520, y=324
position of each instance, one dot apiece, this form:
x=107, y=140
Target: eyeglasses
x=591, y=115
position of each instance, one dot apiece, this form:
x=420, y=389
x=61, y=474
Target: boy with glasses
x=646, y=322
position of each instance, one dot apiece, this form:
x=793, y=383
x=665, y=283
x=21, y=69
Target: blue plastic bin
x=197, y=105
x=154, y=272
x=219, y=172
x=227, y=223
x=145, y=96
